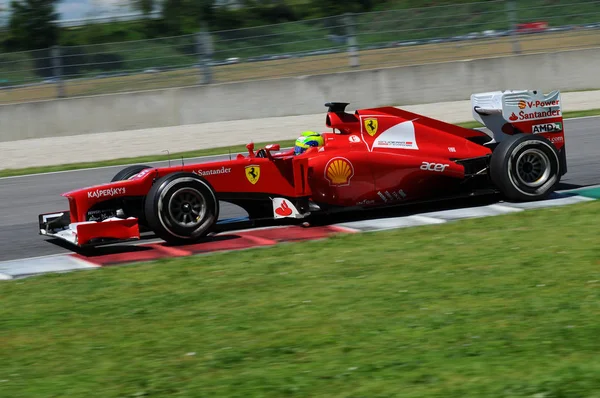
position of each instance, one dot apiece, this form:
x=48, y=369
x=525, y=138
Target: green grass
x=503, y=306
x=201, y=152
x=175, y=157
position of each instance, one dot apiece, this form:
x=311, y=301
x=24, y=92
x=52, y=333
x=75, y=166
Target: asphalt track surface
x=23, y=198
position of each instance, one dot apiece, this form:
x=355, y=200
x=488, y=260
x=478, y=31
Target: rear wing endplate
x=518, y=111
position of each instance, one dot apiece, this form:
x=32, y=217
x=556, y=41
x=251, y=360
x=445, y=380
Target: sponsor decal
x=437, y=167
x=392, y=197
x=557, y=139
x=253, y=173
x=541, y=104
x=547, y=128
x=339, y=171
x=522, y=104
x=365, y=202
x=222, y=170
x=100, y=215
x=101, y=193
x=142, y=173
x=284, y=208
x=395, y=144
x=371, y=126
x=451, y=149
x=534, y=115
x=354, y=138
x=401, y=136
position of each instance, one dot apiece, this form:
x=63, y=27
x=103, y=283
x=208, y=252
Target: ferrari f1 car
x=375, y=157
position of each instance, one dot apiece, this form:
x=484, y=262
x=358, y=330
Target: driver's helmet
x=306, y=140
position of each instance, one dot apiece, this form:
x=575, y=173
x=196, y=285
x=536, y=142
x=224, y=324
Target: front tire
x=133, y=208
x=129, y=172
x=181, y=208
x=525, y=167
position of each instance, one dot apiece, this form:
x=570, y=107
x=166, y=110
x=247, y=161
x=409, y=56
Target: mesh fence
x=341, y=43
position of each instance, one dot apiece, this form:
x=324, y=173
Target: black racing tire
x=525, y=167
x=174, y=201
x=129, y=172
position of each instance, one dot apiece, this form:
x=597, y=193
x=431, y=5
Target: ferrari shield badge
x=371, y=126
x=253, y=173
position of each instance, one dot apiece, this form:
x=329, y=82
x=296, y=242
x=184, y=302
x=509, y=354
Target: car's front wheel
x=525, y=167
x=181, y=207
x=129, y=172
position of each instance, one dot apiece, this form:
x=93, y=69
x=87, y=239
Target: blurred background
x=52, y=49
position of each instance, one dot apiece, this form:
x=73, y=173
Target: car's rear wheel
x=525, y=167
x=129, y=172
x=181, y=207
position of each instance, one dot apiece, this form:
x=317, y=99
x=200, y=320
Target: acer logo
x=438, y=167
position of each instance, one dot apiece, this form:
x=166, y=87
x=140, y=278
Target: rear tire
x=181, y=208
x=525, y=167
x=129, y=172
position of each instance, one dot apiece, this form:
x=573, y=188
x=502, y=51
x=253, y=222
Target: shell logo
x=522, y=104
x=339, y=171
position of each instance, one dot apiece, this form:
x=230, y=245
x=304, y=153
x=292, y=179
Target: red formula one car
x=373, y=157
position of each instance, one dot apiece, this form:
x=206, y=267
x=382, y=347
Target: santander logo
x=513, y=117
x=284, y=210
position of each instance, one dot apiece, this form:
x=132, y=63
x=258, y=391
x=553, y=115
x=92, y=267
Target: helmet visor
x=298, y=150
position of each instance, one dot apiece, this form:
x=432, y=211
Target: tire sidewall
x=157, y=213
x=503, y=167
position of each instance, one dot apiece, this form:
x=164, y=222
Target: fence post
x=351, y=40
x=512, y=23
x=57, y=71
x=205, y=51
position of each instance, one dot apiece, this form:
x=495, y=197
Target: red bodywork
x=373, y=157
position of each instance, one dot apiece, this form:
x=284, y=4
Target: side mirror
x=272, y=147
x=250, y=148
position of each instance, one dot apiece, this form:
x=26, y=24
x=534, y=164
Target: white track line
x=110, y=167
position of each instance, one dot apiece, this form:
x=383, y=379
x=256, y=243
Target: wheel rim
x=187, y=208
x=533, y=168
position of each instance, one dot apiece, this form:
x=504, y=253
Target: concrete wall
x=567, y=70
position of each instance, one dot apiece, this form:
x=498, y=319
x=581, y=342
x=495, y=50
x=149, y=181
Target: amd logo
x=547, y=128
x=438, y=167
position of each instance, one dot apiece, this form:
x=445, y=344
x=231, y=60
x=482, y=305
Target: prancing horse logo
x=371, y=126
x=253, y=173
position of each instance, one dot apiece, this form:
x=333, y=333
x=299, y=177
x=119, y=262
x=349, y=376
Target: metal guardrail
x=333, y=44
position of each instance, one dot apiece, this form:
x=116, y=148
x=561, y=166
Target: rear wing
x=520, y=111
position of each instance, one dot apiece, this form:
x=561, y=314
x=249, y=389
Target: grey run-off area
x=23, y=198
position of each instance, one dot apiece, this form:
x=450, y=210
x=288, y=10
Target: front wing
x=58, y=225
